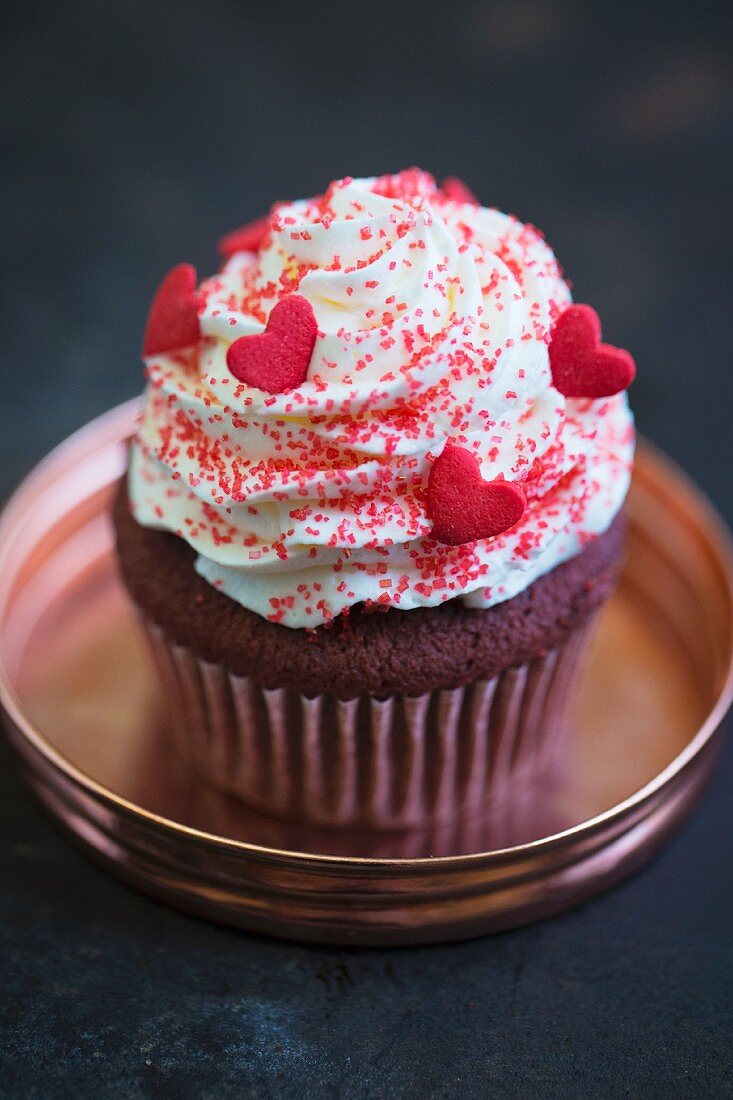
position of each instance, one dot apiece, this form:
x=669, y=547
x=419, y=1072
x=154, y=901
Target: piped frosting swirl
x=433, y=322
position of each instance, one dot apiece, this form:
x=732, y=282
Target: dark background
x=136, y=133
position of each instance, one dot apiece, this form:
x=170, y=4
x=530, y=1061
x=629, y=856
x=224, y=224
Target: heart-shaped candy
x=277, y=359
x=464, y=507
x=457, y=191
x=581, y=365
x=173, y=320
x=247, y=238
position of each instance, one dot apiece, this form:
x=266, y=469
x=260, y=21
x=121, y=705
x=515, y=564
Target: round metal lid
x=81, y=707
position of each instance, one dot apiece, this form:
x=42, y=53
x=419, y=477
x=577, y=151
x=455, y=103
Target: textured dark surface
x=372, y=652
x=135, y=134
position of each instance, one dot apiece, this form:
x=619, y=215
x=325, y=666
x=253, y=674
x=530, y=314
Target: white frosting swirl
x=433, y=321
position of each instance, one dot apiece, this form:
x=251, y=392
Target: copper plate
x=82, y=709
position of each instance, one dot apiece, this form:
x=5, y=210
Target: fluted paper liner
x=384, y=763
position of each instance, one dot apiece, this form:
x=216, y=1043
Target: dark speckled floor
x=134, y=134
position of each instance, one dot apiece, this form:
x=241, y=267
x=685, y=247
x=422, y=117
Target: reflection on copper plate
x=84, y=711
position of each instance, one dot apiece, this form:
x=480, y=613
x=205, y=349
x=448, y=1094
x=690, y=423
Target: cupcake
x=374, y=504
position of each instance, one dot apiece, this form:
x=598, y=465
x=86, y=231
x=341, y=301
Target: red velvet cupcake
x=373, y=504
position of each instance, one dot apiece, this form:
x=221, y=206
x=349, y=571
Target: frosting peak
x=433, y=318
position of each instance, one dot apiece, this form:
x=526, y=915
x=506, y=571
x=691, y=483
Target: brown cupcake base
x=384, y=719
x=379, y=653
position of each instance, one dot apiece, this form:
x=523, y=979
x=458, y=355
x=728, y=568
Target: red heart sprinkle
x=458, y=191
x=581, y=365
x=277, y=359
x=173, y=321
x=464, y=507
x=247, y=238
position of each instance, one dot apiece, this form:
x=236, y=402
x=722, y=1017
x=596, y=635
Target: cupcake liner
x=392, y=763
